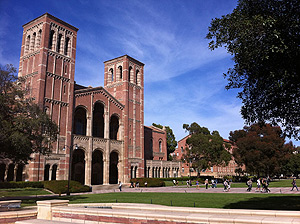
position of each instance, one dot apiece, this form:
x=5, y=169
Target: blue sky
x=183, y=79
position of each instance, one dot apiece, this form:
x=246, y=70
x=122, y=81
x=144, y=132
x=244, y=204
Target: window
x=136, y=76
x=112, y=74
x=51, y=39
x=67, y=45
x=129, y=73
x=181, y=149
x=159, y=144
x=182, y=169
x=120, y=70
x=59, y=43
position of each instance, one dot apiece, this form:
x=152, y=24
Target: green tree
x=263, y=37
x=206, y=148
x=171, y=141
x=293, y=165
x=261, y=148
x=24, y=127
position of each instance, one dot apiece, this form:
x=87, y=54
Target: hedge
x=22, y=184
x=61, y=186
x=151, y=182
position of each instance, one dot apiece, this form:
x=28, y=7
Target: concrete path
x=274, y=190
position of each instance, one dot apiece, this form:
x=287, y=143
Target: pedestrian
x=120, y=185
x=249, y=184
x=294, y=184
x=258, y=188
x=146, y=184
x=197, y=184
x=228, y=185
x=174, y=182
x=206, y=183
x=187, y=183
x=137, y=184
x=225, y=183
x=131, y=184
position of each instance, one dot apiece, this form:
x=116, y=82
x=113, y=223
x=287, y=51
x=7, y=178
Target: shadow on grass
x=268, y=203
x=32, y=201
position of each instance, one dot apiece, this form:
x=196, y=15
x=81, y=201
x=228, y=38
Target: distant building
x=216, y=171
x=104, y=126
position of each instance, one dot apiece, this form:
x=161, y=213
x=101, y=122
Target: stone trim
x=30, y=75
x=30, y=55
x=55, y=76
x=57, y=102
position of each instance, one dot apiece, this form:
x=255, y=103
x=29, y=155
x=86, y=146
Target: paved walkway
x=179, y=189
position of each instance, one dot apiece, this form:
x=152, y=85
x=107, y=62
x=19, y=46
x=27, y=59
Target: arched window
x=78, y=166
x=129, y=73
x=120, y=72
x=59, y=43
x=113, y=127
x=39, y=38
x=27, y=43
x=111, y=71
x=51, y=36
x=98, y=120
x=32, y=47
x=159, y=144
x=67, y=42
x=136, y=76
x=80, y=121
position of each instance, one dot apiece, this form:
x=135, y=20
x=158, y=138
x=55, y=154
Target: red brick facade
x=103, y=126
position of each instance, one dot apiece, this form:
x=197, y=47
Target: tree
x=205, y=149
x=171, y=141
x=24, y=127
x=263, y=37
x=293, y=165
x=261, y=148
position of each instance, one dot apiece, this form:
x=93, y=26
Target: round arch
x=80, y=120
x=98, y=119
x=113, y=167
x=114, y=125
x=46, y=171
x=97, y=167
x=78, y=165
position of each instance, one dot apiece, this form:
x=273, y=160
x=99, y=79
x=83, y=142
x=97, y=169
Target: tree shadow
x=268, y=203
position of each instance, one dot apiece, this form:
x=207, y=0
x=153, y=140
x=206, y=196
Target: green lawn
x=22, y=192
x=204, y=200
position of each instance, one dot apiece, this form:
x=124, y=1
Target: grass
x=203, y=200
x=15, y=192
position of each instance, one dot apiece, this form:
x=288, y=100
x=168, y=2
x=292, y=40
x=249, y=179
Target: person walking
x=206, y=183
x=294, y=184
x=258, y=188
x=120, y=185
x=249, y=184
x=197, y=184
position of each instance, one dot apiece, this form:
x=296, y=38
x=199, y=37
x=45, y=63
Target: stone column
x=45, y=208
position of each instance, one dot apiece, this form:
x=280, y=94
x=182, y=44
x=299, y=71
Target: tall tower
x=47, y=63
x=124, y=79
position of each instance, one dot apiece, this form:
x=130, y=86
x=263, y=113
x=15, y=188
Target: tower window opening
x=129, y=73
x=33, y=42
x=136, y=76
x=112, y=74
x=59, y=43
x=39, y=37
x=120, y=70
x=51, y=39
x=67, y=45
x=27, y=43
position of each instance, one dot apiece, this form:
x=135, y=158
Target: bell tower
x=124, y=79
x=47, y=63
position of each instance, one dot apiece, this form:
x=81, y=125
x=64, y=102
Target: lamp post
x=70, y=164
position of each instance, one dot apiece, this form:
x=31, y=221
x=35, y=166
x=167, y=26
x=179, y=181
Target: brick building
x=216, y=171
x=103, y=127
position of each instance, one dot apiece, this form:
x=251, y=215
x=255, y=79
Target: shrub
x=61, y=186
x=21, y=184
x=151, y=182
